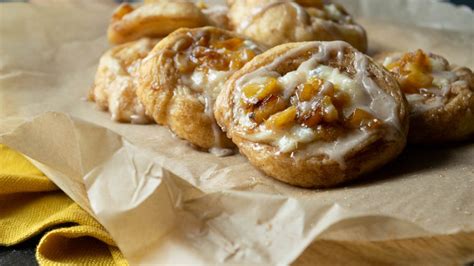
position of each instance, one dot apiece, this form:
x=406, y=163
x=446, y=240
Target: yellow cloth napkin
x=30, y=204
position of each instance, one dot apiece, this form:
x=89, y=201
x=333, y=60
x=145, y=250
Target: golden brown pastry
x=217, y=16
x=156, y=19
x=314, y=114
x=441, y=96
x=274, y=22
x=182, y=76
x=114, y=87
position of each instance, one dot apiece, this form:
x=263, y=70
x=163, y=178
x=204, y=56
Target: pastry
x=181, y=77
x=156, y=19
x=441, y=96
x=114, y=88
x=217, y=16
x=274, y=22
x=314, y=114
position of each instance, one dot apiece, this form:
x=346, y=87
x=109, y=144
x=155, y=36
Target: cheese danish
x=182, y=76
x=440, y=95
x=314, y=114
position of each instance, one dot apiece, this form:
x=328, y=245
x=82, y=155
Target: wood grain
x=455, y=249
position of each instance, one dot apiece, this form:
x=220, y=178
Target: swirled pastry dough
x=274, y=22
x=314, y=114
x=156, y=19
x=183, y=75
x=441, y=96
x=115, y=82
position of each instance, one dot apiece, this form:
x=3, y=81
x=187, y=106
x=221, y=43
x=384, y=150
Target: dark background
x=24, y=254
x=464, y=2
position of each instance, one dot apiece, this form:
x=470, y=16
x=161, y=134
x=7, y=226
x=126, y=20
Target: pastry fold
x=115, y=83
x=155, y=19
x=440, y=95
x=314, y=114
x=274, y=22
x=182, y=76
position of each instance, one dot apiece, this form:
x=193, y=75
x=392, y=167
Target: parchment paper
x=164, y=202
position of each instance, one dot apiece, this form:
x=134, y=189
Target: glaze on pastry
x=314, y=114
x=183, y=75
x=154, y=19
x=114, y=88
x=441, y=96
x=274, y=22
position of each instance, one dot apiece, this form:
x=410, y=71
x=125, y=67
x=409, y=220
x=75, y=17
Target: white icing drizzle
x=420, y=103
x=382, y=105
x=338, y=149
x=329, y=10
x=220, y=152
x=208, y=84
x=120, y=86
x=358, y=97
x=335, y=15
x=390, y=60
x=257, y=11
x=364, y=91
x=443, y=78
x=260, y=75
x=291, y=79
x=209, y=111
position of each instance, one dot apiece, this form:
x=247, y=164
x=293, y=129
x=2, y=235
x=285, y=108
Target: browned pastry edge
x=178, y=15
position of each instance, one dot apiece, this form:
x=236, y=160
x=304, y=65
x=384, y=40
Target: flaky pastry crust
x=274, y=22
x=442, y=101
x=115, y=83
x=182, y=76
x=314, y=163
x=156, y=19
